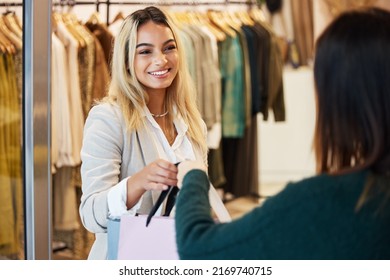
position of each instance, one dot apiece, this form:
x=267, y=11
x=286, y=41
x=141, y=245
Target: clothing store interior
x=258, y=141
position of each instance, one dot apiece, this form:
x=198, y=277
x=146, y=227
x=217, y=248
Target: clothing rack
x=108, y=3
x=10, y=5
x=70, y=3
x=174, y=3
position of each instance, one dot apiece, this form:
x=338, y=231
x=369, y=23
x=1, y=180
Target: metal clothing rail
x=108, y=3
x=174, y=3
x=10, y=5
x=178, y=3
x=72, y=3
x=57, y=3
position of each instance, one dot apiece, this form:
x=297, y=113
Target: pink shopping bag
x=157, y=241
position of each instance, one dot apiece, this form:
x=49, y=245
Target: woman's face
x=156, y=57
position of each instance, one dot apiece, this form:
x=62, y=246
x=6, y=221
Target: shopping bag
x=157, y=241
x=151, y=237
x=113, y=228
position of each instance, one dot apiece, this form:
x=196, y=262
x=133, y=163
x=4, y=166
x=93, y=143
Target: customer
x=344, y=211
x=148, y=122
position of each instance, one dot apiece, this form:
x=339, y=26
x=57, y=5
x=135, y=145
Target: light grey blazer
x=109, y=154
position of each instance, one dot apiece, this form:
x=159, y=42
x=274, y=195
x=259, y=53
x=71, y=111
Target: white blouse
x=180, y=150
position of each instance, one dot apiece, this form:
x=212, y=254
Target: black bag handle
x=171, y=193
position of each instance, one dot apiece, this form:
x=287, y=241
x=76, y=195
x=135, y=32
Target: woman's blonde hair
x=130, y=95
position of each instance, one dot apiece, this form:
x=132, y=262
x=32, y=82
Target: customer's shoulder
x=316, y=191
x=325, y=179
x=327, y=183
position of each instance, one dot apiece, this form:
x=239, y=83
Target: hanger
x=70, y=25
x=192, y=18
x=56, y=18
x=182, y=18
x=173, y=18
x=217, y=19
x=94, y=18
x=15, y=40
x=257, y=14
x=231, y=20
x=7, y=9
x=245, y=18
x=119, y=17
x=18, y=21
x=70, y=4
x=218, y=33
x=6, y=45
x=10, y=22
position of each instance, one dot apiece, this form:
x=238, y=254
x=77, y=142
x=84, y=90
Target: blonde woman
x=148, y=122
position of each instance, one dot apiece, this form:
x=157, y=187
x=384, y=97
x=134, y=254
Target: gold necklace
x=159, y=116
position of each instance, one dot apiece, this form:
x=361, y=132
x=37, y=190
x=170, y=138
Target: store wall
x=285, y=148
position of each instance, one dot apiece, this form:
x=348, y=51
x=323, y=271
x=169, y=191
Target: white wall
x=285, y=148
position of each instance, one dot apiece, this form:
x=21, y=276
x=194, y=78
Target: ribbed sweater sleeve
x=199, y=236
x=315, y=218
x=192, y=210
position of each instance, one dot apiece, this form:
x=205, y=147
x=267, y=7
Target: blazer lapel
x=149, y=153
x=148, y=150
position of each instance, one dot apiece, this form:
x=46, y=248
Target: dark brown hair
x=352, y=78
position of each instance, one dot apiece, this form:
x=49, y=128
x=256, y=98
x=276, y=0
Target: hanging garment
x=102, y=75
x=104, y=36
x=11, y=198
x=233, y=100
x=76, y=111
x=302, y=14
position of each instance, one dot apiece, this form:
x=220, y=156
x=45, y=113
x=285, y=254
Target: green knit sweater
x=311, y=219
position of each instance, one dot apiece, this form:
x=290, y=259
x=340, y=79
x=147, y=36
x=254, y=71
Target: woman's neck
x=157, y=104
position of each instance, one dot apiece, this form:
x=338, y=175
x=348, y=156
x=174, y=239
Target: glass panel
x=11, y=187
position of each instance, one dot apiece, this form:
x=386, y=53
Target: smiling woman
x=156, y=62
x=156, y=65
x=148, y=122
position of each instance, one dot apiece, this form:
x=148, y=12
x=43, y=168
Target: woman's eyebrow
x=151, y=45
x=144, y=45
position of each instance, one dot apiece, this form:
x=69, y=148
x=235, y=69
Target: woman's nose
x=160, y=59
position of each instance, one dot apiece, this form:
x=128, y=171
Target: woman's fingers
x=160, y=174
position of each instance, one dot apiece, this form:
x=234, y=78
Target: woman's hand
x=186, y=166
x=157, y=175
